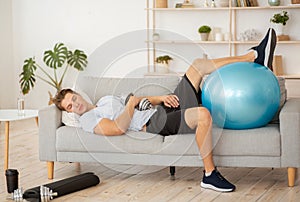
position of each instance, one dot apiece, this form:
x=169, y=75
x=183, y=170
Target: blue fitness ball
x=241, y=95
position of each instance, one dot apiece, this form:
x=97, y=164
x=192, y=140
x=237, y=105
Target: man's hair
x=60, y=96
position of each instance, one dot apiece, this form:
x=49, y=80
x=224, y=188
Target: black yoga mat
x=65, y=186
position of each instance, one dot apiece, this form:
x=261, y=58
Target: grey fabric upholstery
x=275, y=145
x=96, y=88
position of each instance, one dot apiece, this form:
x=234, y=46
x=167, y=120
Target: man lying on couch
x=178, y=113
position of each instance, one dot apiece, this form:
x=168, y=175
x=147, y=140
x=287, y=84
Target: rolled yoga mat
x=65, y=186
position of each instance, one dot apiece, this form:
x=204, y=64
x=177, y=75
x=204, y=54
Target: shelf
x=187, y=42
x=255, y=42
x=265, y=7
x=232, y=18
x=226, y=8
x=165, y=74
x=291, y=76
x=188, y=9
x=215, y=42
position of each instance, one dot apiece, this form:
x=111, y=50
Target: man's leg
x=201, y=67
x=188, y=89
x=200, y=119
x=262, y=54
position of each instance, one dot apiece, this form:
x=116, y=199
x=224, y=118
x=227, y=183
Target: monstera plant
x=59, y=60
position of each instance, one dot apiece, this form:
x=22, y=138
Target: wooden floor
x=138, y=183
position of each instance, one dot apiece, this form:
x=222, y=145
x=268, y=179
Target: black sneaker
x=217, y=182
x=265, y=50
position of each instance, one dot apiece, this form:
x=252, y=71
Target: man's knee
x=205, y=66
x=204, y=116
x=197, y=62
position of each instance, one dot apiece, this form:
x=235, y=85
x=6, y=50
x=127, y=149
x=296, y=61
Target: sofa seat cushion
x=71, y=139
x=263, y=141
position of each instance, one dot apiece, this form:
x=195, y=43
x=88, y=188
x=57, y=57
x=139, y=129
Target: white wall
x=81, y=24
x=32, y=26
x=7, y=70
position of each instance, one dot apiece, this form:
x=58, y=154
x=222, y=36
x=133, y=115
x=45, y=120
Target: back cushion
x=96, y=88
x=283, y=96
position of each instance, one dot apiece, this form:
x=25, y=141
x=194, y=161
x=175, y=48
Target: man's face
x=74, y=103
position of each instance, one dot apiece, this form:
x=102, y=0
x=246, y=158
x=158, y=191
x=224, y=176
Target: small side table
x=7, y=115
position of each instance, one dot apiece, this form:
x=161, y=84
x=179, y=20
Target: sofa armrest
x=49, y=121
x=290, y=133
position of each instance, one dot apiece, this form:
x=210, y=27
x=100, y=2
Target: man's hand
x=171, y=101
x=143, y=103
x=134, y=100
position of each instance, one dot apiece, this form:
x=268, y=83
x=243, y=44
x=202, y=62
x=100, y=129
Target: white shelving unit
x=231, y=13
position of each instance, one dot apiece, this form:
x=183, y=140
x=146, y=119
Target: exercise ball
x=241, y=95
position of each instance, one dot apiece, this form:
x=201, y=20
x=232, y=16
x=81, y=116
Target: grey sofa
x=275, y=145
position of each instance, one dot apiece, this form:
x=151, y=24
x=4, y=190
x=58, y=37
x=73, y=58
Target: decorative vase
x=204, y=36
x=21, y=106
x=205, y=4
x=274, y=2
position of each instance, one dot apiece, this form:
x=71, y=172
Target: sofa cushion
x=70, y=139
x=283, y=96
x=263, y=141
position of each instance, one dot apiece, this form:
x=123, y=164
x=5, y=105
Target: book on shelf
x=246, y=3
x=187, y=5
x=277, y=65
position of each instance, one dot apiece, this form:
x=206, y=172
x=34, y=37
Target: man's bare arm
x=167, y=100
x=120, y=125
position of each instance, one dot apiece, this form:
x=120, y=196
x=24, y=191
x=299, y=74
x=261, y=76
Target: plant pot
x=279, y=29
x=162, y=68
x=161, y=3
x=204, y=36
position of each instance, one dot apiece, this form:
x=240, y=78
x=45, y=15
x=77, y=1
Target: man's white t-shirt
x=111, y=107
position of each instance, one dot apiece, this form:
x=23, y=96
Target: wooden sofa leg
x=50, y=165
x=291, y=176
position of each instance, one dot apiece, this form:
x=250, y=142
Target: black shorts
x=170, y=121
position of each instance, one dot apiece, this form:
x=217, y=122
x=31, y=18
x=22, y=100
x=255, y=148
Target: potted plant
x=59, y=60
x=204, y=31
x=280, y=19
x=164, y=60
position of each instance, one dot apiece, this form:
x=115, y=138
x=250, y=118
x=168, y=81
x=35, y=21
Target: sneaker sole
x=271, y=47
x=209, y=186
x=269, y=50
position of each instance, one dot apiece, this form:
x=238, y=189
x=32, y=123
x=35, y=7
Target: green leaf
x=77, y=59
x=57, y=57
x=27, y=79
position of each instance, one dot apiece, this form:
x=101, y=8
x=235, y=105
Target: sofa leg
x=50, y=165
x=291, y=176
x=172, y=170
